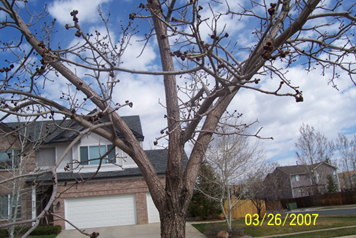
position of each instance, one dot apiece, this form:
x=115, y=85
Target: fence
x=244, y=207
x=341, y=198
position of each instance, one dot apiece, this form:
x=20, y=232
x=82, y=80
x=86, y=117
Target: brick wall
x=135, y=186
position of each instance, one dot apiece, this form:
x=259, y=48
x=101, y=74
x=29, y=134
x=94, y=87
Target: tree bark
x=173, y=221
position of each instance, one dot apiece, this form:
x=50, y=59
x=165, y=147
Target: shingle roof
x=158, y=159
x=299, y=169
x=46, y=129
x=51, y=133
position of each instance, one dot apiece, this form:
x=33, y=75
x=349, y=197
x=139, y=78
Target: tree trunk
x=229, y=216
x=173, y=224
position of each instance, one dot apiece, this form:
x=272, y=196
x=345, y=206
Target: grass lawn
x=265, y=230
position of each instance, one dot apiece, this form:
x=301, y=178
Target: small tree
x=17, y=159
x=256, y=195
x=347, y=151
x=332, y=186
x=257, y=188
x=233, y=156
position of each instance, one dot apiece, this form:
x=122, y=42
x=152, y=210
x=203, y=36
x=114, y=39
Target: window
x=295, y=178
x=317, y=177
x=46, y=157
x=93, y=152
x=6, y=206
x=9, y=159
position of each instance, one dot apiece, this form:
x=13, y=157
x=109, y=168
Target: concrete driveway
x=134, y=231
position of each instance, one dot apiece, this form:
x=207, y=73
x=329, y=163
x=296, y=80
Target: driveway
x=134, y=231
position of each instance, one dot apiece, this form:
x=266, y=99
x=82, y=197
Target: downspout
x=338, y=182
x=33, y=204
x=291, y=187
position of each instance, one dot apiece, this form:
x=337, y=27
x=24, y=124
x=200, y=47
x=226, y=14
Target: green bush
x=40, y=230
x=18, y=230
x=21, y=229
x=3, y=233
x=46, y=230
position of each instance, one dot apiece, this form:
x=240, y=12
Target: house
x=299, y=180
x=116, y=195
x=347, y=180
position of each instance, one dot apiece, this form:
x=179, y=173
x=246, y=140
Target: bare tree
x=275, y=186
x=256, y=190
x=17, y=159
x=288, y=31
x=347, y=151
x=313, y=148
x=235, y=160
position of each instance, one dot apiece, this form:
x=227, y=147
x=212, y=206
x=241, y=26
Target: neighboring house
x=297, y=181
x=116, y=195
x=347, y=180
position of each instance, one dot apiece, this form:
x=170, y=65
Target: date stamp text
x=277, y=220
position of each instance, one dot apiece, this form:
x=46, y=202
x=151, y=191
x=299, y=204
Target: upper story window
x=9, y=159
x=46, y=157
x=89, y=155
x=295, y=178
x=317, y=177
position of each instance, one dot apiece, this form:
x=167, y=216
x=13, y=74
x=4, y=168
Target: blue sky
x=326, y=109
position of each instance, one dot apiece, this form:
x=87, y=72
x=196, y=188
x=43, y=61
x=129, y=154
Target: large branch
x=135, y=151
x=333, y=14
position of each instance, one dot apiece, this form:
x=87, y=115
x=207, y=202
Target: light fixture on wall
x=58, y=204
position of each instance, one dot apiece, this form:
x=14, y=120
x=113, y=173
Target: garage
x=100, y=211
x=153, y=214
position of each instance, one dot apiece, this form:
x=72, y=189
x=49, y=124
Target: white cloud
x=144, y=92
x=61, y=9
x=325, y=108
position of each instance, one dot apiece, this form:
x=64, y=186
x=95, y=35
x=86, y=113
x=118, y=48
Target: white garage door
x=153, y=214
x=101, y=211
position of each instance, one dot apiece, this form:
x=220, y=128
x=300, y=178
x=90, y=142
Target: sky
x=328, y=110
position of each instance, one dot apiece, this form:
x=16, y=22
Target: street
x=326, y=212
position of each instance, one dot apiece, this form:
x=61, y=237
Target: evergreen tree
x=201, y=205
x=332, y=187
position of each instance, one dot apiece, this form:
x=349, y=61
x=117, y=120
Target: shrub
x=213, y=230
x=40, y=230
x=3, y=233
x=46, y=230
